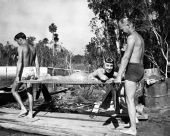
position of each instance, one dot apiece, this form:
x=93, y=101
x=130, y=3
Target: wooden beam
x=57, y=124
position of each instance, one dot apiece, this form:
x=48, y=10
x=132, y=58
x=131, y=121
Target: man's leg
x=107, y=97
x=130, y=88
x=46, y=94
x=30, y=98
x=112, y=103
x=113, y=95
x=18, y=99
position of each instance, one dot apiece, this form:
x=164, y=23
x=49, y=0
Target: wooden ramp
x=59, y=124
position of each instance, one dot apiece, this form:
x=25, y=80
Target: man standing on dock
x=27, y=60
x=132, y=66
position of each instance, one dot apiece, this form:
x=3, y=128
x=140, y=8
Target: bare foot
x=30, y=115
x=23, y=113
x=129, y=131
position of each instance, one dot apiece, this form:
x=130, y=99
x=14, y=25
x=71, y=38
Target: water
x=7, y=132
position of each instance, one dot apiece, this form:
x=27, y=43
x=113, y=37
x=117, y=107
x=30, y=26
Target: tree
x=45, y=40
x=52, y=28
x=149, y=17
x=44, y=53
x=31, y=40
x=56, y=38
x=78, y=59
x=8, y=54
x=91, y=56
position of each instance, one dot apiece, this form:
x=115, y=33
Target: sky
x=33, y=17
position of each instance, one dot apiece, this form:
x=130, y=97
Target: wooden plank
x=65, y=81
x=60, y=115
x=55, y=124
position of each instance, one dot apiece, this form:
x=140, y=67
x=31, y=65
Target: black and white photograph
x=84, y=68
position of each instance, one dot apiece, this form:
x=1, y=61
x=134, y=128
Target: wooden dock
x=59, y=124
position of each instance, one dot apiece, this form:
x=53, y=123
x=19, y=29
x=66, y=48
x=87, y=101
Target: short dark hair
x=20, y=35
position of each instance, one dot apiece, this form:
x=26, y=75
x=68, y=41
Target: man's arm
x=115, y=74
x=37, y=66
x=19, y=64
x=93, y=74
x=99, y=75
x=126, y=57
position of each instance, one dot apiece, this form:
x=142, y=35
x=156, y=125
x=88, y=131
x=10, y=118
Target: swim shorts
x=28, y=73
x=134, y=72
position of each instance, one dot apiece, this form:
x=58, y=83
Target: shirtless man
x=132, y=66
x=107, y=73
x=27, y=59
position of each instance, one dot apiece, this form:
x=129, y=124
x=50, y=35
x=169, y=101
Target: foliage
x=79, y=95
x=149, y=17
x=52, y=28
x=31, y=40
x=8, y=55
x=56, y=38
x=44, y=53
x=47, y=58
x=78, y=59
x=45, y=40
x=92, y=57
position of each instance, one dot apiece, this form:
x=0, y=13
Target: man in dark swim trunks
x=107, y=73
x=134, y=72
x=132, y=66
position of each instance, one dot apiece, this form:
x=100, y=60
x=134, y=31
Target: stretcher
x=65, y=80
x=71, y=80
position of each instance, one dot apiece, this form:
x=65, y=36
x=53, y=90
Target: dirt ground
x=158, y=124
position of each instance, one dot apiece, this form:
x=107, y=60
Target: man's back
x=138, y=50
x=29, y=55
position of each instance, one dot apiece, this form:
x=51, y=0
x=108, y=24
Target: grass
x=78, y=99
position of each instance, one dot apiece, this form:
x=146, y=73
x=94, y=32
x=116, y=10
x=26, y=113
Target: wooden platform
x=59, y=124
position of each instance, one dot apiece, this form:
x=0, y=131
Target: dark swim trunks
x=134, y=72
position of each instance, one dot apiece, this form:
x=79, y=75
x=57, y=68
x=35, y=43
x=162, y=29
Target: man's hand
x=17, y=79
x=111, y=80
x=37, y=73
x=118, y=79
x=37, y=76
x=92, y=77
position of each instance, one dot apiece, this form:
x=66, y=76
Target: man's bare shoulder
x=131, y=37
x=25, y=48
x=100, y=69
x=131, y=40
x=20, y=48
x=134, y=36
